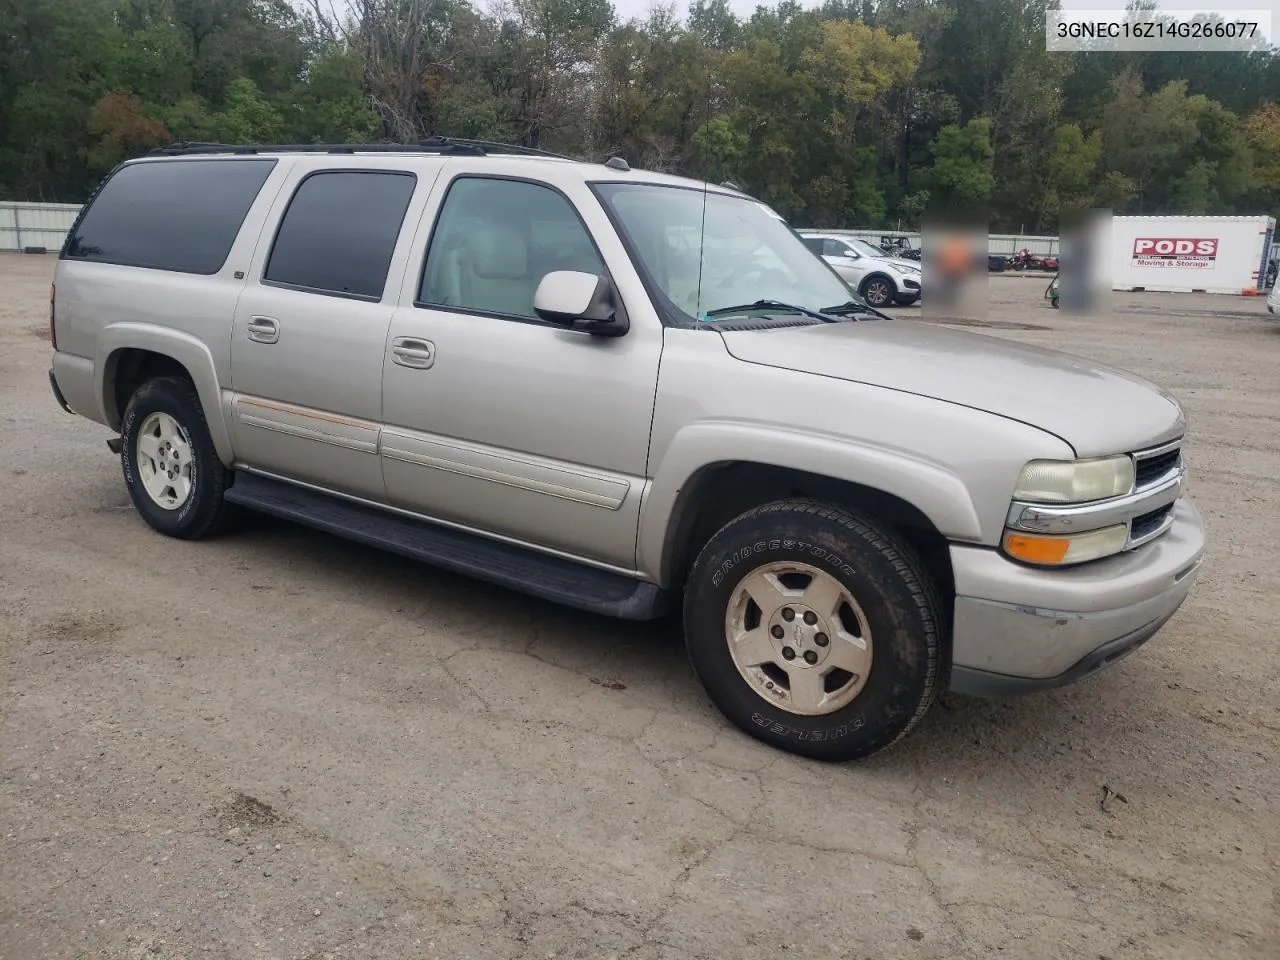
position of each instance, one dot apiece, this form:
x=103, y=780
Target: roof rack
x=451, y=146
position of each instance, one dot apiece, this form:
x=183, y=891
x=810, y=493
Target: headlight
x=1060, y=551
x=1074, y=481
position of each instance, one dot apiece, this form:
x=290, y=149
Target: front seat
x=497, y=270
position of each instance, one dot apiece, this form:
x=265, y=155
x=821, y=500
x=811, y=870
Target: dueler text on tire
x=170, y=467
x=814, y=629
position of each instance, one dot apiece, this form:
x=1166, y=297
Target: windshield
x=865, y=248
x=726, y=252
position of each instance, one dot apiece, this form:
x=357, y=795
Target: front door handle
x=263, y=329
x=412, y=352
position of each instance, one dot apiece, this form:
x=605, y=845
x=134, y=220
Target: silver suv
x=625, y=392
x=881, y=279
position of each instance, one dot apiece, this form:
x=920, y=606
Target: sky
x=743, y=8
x=626, y=9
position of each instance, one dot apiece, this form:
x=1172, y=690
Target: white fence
x=35, y=225
x=1005, y=244
x=45, y=225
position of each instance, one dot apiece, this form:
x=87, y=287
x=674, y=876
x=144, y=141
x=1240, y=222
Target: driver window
x=495, y=240
x=837, y=248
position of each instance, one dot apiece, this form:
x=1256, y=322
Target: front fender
x=187, y=350
x=936, y=492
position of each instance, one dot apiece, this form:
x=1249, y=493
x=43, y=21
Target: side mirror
x=579, y=301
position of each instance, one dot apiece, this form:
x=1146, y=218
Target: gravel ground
x=280, y=745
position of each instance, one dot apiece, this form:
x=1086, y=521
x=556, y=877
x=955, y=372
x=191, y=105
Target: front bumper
x=1019, y=628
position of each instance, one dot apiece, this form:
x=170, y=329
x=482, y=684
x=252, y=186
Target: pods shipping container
x=1191, y=254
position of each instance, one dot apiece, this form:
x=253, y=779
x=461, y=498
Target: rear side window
x=178, y=215
x=340, y=231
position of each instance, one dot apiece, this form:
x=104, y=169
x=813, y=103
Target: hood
x=901, y=262
x=1097, y=409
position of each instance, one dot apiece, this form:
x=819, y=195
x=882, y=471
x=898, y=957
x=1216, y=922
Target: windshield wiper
x=852, y=308
x=774, y=305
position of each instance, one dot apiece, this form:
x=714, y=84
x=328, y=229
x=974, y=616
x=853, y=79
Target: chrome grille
x=1143, y=527
x=1147, y=509
x=1152, y=466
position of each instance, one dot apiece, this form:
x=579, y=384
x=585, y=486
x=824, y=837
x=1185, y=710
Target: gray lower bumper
x=1019, y=629
x=57, y=393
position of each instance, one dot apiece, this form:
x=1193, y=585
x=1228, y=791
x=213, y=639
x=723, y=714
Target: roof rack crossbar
x=497, y=147
x=440, y=145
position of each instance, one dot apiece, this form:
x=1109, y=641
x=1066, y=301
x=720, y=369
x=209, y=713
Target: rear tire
x=842, y=578
x=170, y=466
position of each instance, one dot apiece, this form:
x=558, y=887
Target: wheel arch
x=132, y=353
x=718, y=492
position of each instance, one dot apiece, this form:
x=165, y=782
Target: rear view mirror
x=581, y=301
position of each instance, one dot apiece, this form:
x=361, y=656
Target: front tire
x=878, y=290
x=814, y=629
x=170, y=466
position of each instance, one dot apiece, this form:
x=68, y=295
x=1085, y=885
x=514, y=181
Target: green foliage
x=961, y=175
x=856, y=113
x=247, y=116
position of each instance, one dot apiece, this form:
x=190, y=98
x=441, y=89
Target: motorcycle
x=1026, y=260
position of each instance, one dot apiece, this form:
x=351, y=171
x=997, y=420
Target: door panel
x=311, y=325
x=308, y=405
x=523, y=430
x=517, y=427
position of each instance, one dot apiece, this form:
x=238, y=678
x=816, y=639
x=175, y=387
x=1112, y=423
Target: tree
x=122, y=129
x=247, y=117
x=1069, y=175
x=961, y=174
x=1262, y=132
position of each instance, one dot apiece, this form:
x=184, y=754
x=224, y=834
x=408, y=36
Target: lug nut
x=788, y=614
x=810, y=657
x=821, y=639
x=810, y=617
x=788, y=653
x=777, y=631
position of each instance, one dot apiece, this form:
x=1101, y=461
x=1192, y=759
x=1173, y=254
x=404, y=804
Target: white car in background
x=1273, y=298
x=881, y=279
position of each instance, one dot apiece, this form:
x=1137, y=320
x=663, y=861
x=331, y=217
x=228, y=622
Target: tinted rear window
x=340, y=231
x=169, y=214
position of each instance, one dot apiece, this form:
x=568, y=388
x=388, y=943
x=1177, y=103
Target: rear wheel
x=814, y=629
x=170, y=467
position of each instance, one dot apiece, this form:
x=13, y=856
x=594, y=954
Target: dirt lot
x=279, y=745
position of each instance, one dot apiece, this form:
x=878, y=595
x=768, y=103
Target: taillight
x=53, y=330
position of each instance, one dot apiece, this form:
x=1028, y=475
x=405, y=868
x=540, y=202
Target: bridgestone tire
x=204, y=512
x=889, y=582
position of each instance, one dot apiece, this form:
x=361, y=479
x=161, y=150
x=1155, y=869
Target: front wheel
x=814, y=629
x=878, y=291
x=170, y=467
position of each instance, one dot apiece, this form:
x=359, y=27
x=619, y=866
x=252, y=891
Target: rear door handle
x=412, y=352
x=263, y=329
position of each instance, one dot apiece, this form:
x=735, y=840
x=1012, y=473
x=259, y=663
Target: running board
x=541, y=575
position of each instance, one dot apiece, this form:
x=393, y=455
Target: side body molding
x=937, y=493
x=189, y=351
